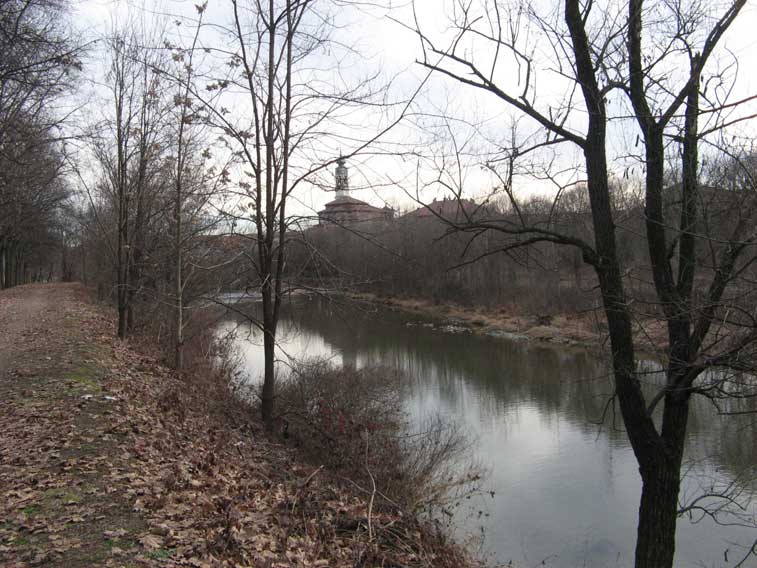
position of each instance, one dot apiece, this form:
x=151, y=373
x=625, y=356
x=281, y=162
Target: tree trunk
x=9, y=256
x=83, y=254
x=65, y=275
x=122, y=317
x=179, y=334
x=20, y=266
x=655, y=543
x=8, y=265
x=179, y=347
x=2, y=263
x=269, y=344
x=178, y=267
x=130, y=323
x=660, y=474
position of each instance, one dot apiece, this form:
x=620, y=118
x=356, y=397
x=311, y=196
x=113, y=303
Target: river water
x=566, y=489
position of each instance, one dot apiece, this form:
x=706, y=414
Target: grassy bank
x=110, y=459
x=577, y=329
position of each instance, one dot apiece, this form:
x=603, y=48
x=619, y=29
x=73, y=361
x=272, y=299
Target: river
x=566, y=489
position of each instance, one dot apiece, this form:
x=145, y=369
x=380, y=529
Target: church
x=346, y=210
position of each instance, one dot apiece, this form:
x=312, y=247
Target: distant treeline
x=472, y=257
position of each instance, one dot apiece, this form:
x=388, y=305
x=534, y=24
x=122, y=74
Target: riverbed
x=565, y=482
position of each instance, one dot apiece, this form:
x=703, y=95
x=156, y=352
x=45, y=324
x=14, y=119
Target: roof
x=447, y=208
x=345, y=200
x=342, y=204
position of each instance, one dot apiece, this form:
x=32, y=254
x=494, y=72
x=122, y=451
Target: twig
x=310, y=477
x=752, y=551
x=304, y=485
x=373, y=492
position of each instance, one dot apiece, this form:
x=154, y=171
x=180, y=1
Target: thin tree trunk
x=83, y=264
x=267, y=395
x=120, y=284
x=21, y=267
x=15, y=276
x=267, y=240
x=122, y=318
x=8, y=264
x=2, y=263
x=179, y=336
x=130, y=323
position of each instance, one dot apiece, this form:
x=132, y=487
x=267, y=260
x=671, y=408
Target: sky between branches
x=479, y=122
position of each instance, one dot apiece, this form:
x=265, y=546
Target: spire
x=342, y=179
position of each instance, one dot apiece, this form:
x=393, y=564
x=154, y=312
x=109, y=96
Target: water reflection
x=567, y=488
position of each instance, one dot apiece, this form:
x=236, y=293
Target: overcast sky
x=391, y=48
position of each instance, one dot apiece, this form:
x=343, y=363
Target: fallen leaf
x=151, y=542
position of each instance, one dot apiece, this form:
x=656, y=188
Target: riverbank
x=108, y=458
x=586, y=330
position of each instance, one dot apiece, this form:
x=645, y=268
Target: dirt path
x=19, y=311
x=55, y=452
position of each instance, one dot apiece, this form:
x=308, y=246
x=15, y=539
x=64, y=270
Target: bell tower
x=342, y=179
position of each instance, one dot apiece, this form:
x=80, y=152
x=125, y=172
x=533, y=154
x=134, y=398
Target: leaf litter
x=96, y=470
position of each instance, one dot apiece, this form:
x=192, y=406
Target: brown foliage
x=352, y=420
x=156, y=474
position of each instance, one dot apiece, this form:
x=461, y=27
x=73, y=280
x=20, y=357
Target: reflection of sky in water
x=567, y=490
x=291, y=344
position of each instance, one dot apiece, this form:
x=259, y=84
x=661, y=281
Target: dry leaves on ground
x=105, y=461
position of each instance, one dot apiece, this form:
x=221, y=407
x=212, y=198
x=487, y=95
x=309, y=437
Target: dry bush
x=353, y=422
x=211, y=379
x=435, y=463
x=329, y=410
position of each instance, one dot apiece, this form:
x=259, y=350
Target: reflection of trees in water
x=724, y=441
x=501, y=375
x=504, y=376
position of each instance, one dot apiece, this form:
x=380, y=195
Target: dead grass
x=579, y=329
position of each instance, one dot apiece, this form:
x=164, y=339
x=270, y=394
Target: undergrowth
x=349, y=424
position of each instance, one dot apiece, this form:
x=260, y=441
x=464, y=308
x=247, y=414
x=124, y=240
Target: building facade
x=346, y=210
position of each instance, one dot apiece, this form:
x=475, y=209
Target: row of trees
x=149, y=196
x=39, y=64
x=177, y=168
x=179, y=192
x=420, y=255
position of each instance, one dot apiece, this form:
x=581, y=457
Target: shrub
x=353, y=422
x=211, y=378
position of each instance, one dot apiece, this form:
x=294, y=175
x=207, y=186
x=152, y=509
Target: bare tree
x=598, y=54
x=148, y=201
x=185, y=182
x=284, y=131
x=129, y=146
